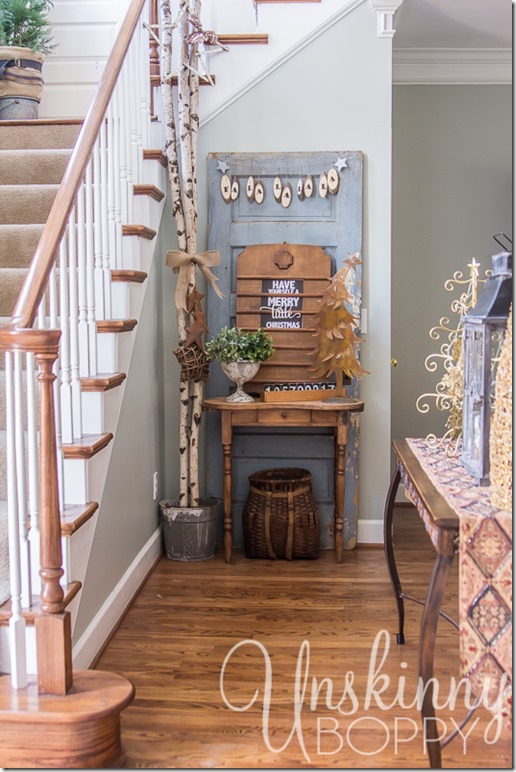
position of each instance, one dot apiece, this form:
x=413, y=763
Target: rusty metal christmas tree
x=338, y=344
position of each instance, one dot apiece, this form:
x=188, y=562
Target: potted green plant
x=25, y=39
x=240, y=355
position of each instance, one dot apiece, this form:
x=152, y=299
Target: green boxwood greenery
x=25, y=23
x=234, y=345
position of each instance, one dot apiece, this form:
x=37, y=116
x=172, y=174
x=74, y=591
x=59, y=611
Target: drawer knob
x=284, y=414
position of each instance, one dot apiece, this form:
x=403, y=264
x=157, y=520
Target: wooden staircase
x=62, y=717
x=72, y=276
x=26, y=713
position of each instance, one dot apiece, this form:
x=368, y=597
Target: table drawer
x=243, y=417
x=324, y=417
x=284, y=416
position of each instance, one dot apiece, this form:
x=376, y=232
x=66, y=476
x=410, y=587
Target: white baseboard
x=370, y=532
x=98, y=631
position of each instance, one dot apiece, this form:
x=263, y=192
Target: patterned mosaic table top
x=485, y=565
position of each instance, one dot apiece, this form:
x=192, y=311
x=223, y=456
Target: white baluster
x=106, y=268
x=144, y=59
x=126, y=117
x=84, y=355
x=90, y=271
x=16, y=622
x=135, y=52
x=66, y=391
x=119, y=262
x=100, y=312
x=21, y=482
x=75, y=383
x=120, y=99
x=111, y=181
x=133, y=118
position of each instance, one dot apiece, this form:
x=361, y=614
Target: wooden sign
x=278, y=288
x=282, y=304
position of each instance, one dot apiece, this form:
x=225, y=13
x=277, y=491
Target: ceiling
x=454, y=24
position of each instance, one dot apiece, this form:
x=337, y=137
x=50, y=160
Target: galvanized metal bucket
x=189, y=532
x=18, y=108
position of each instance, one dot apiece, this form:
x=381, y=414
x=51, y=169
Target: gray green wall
x=452, y=190
x=334, y=94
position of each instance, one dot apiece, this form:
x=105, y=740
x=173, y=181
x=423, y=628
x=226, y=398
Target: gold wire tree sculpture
x=338, y=344
x=448, y=394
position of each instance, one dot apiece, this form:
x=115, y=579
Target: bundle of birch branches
x=181, y=109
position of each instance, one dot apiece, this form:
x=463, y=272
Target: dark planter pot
x=189, y=532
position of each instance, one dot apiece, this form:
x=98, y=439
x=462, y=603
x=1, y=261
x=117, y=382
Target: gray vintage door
x=334, y=223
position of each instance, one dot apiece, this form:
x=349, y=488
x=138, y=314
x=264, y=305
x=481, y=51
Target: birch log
x=196, y=387
x=179, y=217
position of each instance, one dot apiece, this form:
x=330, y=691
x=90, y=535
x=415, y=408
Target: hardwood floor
x=189, y=617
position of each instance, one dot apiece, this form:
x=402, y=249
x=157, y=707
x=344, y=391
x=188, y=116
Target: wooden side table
x=288, y=414
x=442, y=525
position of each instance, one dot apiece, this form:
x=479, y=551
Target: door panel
x=333, y=223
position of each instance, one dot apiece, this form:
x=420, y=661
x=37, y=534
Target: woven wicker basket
x=281, y=519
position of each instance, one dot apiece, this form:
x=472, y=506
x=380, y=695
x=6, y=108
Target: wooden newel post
x=53, y=629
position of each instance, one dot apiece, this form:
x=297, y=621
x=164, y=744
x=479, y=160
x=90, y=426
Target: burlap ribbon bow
x=182, y=260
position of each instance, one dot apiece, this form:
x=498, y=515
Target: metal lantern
x=484, y=328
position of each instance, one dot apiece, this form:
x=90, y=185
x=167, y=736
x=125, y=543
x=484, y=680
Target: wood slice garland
x=249, y=188
x=277, y=188
x=225, y=188
x=286, y=195
x=259, y=192
x=323, y=185
x=235, y=189
x=309, y=186
x=301, y=190
x=333, y=181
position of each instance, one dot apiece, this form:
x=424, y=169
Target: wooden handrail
x=35, y=284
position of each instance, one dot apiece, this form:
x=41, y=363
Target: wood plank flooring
x=180, y=630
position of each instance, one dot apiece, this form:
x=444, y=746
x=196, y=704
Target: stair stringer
x=88, y=477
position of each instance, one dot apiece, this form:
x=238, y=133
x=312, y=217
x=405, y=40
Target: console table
x=288, y=414
x=459, y=517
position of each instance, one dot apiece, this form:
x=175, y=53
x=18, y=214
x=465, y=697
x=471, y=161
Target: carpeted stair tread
x=38, y=134
x=11, y=282
x=26, y=203
x=29, y=167
x=18, y=244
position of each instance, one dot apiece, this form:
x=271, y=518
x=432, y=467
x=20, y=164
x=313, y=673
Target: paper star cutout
x=222, y=166
x=341, y=163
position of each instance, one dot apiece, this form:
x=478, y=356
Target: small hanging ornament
x=333, y=181
x=249, y=188
x=225, y=188
x=259, y=193
x=277, y=188
x=323, y=185
x=300, y=190
x=235, y=189
x=309, y=186
x=286, y=196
